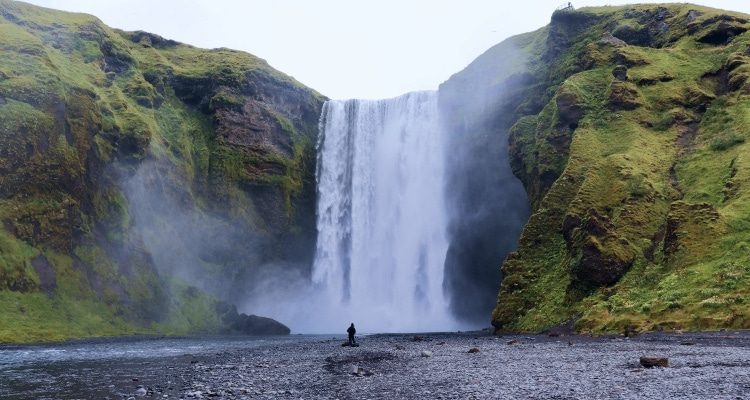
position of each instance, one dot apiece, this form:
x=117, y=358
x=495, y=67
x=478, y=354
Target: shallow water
x=130, y=349
x=95, y=369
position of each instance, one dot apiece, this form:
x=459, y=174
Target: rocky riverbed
x=438, y=366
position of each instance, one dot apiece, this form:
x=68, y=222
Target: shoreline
x=484, y=332
x=408, y=366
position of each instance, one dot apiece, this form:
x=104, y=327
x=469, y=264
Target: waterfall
x=382, y=218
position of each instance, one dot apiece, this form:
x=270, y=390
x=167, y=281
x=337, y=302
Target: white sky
x=344, y=48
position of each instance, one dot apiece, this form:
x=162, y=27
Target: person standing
x=351, y=331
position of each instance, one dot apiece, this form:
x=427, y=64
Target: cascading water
x=381, y=214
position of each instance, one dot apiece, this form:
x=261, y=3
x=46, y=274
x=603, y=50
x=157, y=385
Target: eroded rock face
x=722, y=33
x=611, y=40
x=620, y=73
x=624, y=96
x=569, y=108
x=603, y=256
x=603, y=263
x=46, y=273
x=651, y=28
x=717, y=30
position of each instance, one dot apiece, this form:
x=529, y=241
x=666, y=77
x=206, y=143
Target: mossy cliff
x=87, y=112
x=629, y=130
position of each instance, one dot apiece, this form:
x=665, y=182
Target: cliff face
x=629, y=134
x=487, y=203
x=118, y=147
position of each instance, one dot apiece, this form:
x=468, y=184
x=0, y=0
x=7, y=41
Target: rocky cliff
x=134, y=168
x=628, y=127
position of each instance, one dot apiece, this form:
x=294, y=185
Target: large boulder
x=249, y=324
x=255, y=325
x=651, y=362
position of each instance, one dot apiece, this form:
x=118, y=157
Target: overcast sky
x=344, y=48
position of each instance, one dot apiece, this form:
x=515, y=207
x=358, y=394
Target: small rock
x=417, y=339
x=473, y=350
x=687, y=344
x=630, y=331
x=514, y=341
x=650, y=362
x=353, y=369
x=140, y=392
x=426, y=353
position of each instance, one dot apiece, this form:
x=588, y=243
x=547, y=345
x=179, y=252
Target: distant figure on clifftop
x=351, y=331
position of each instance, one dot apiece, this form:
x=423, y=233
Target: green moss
x=667, y=172
x=16, y=273
x=81, y=106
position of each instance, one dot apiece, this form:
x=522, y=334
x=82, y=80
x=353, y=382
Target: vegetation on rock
x=83, y=108
x=630, y=141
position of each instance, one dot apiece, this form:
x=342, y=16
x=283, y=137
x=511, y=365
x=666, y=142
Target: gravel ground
x=702, y=366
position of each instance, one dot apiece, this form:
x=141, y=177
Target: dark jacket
x=351, y=331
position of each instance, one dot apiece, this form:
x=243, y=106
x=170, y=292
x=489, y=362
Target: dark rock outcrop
x=569, y=108
x=235, y=322
x=611, y=40
x=623, y=96
x=47, y=279
x=255, y=325
x=603, y=256
x=620, y=73
x=651, y=362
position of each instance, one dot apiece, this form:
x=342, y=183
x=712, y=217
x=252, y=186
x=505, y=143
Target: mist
x=487, y=202
x=417, y=206
x=202, y=247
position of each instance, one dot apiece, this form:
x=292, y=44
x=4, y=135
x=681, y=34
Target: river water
x=101, y=368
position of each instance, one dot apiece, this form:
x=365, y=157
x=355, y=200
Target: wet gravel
x=702, y=366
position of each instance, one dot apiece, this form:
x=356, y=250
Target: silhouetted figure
x=351, y=331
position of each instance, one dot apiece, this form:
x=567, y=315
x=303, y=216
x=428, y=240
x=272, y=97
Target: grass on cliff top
x=675, y=8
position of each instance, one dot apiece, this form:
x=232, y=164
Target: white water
x=381, y=216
